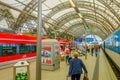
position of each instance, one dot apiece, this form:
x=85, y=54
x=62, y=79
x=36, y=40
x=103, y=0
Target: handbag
x=85, y=78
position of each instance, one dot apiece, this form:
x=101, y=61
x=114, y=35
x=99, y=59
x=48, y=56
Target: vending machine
x=50, y=54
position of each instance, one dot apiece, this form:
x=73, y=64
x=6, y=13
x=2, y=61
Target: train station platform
x=61, y=73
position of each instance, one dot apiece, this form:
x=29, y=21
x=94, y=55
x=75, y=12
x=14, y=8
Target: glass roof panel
x=15, y=13
x=63, y=0
x=118, y=1
x=70, y=23
x=75, y=20
x=57, y=15
x=87, y=6
x=17, y=3
x=46, y=26
x=3, y=23
x=52, y=3
x=35, y=13
x=45, y=7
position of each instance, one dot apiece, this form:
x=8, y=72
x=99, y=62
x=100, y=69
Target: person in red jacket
x=67, y=53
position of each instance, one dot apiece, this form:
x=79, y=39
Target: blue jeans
x=96, y=53
x=67, y=58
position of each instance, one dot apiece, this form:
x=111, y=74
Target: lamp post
x=39, y=45
x=85, y=45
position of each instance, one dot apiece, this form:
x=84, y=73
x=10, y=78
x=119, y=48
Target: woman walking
x=76, y=66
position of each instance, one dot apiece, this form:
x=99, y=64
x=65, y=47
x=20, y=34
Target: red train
x=16, y=46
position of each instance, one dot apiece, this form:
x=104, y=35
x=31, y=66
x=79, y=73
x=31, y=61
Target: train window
x=8, y=51
x=31, y=47
x=23, y=49
x=34, y=48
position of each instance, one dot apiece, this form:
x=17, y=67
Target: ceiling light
x=72, y=4
x=80, y=15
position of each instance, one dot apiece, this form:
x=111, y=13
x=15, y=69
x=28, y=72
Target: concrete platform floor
x=59, y=74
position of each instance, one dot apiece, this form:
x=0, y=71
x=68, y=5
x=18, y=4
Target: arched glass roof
x=66, y=16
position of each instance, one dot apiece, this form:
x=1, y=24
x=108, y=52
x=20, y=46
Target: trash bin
x=21, y=71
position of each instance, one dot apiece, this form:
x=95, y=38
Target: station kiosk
x=50, y=54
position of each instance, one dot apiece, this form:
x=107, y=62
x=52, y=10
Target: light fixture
x=80, y=15
x=72, y=4
x=76, y=9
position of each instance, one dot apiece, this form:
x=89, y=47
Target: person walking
x=75, y=68
x=96, y=47
x=92, y=50
x=83, y=50
x=67, y=53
